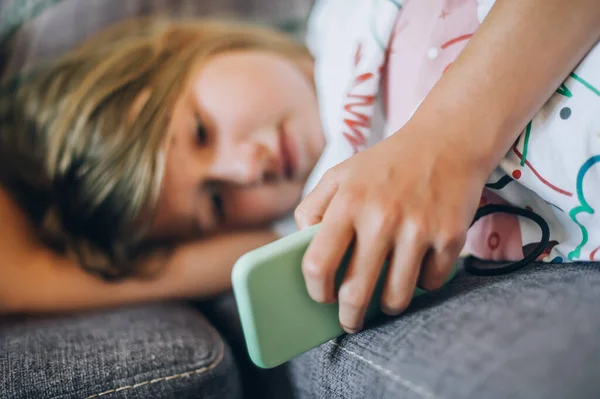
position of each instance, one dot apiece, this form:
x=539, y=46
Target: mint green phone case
x=279, y=319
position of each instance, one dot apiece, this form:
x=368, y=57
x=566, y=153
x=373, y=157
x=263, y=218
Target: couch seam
x=185, y=374
x=417, y=389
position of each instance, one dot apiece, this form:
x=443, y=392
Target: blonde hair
x=68, y=137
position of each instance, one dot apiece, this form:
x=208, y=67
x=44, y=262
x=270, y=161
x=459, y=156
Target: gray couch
x=532, y=334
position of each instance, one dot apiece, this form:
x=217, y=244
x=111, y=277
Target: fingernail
x=318, y=297
x=351, y=330
x=388, y=311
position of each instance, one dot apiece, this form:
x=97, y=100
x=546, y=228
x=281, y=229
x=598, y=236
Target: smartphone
x=279, y=319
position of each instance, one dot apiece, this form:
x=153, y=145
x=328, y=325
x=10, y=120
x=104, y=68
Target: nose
x=250, y=163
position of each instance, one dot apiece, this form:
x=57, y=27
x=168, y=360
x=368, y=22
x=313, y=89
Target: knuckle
x=314, y=269
x=381, y=221
x=417, y=222
x=395, y=304
x=352, y=296
x=418, y=230
x=302, y=214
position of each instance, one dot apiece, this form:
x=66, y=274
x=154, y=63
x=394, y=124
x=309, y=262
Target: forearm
x=519, y=56
x=53, y=283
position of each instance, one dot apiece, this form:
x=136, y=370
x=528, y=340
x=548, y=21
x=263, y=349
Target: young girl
x=157, y=131
x=153, y=132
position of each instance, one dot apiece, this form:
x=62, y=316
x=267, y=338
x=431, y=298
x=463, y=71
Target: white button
x=432, y=53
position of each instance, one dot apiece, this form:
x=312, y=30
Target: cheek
x=254, y=206
x=176, y=210
x=171, y=218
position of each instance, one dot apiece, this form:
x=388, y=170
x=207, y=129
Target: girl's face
x=243, y=137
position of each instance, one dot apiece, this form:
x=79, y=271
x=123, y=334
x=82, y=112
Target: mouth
x=289, y=156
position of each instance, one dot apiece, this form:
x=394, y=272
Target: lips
x=289, y=156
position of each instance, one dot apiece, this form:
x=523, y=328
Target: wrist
x=478, y=138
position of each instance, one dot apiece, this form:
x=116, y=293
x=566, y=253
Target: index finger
x=325, y=253
x=313, y=207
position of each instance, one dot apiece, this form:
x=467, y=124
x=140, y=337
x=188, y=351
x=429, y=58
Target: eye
x=201, y=134
x=217, y=202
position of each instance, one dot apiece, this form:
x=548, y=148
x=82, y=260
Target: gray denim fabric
x=531, y=334
x=154, y=351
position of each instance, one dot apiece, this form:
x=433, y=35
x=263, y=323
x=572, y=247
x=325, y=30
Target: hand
x=412, y=195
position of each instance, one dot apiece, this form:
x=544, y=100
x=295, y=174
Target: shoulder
x=331, y=38
x=332, y=25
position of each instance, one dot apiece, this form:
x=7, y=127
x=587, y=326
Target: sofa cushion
x=153, y=351
x=531, y=334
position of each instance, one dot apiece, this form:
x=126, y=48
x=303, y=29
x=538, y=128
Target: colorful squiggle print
x=583, y=207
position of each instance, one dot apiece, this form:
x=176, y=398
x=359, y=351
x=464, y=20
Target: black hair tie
x=470, y=267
